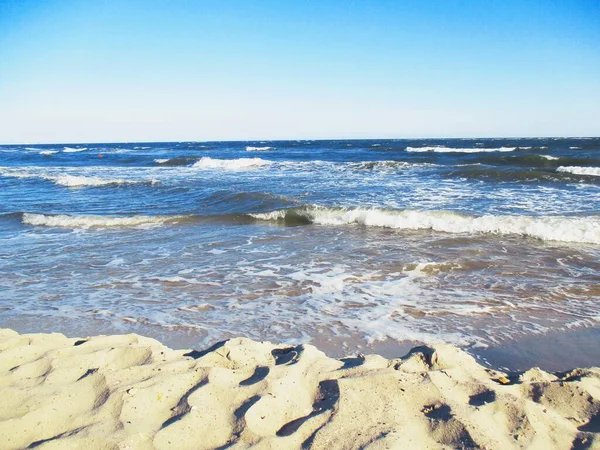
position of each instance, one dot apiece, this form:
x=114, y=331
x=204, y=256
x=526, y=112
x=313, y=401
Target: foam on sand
x=230, y=164
x=129, y=391
x=547, y=228
x=66, y=221
x=442, y=149
x=576, y=170
x=249, y=148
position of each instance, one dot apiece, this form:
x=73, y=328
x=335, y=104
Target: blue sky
x=133, y=70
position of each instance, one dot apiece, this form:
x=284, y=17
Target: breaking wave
x=230, y=164
x=73, y=180
x=576, y=170
x=66, y=221
x=442, y=149
x=258, y=149
x=80, y=181
x=383, y=165
x=547, y=228
x=48, y=152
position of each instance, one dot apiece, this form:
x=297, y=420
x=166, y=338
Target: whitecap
x=230, y=164
x=442, y=149
x=547, y=228
x=577, y=170
x=67, y=221
x=258, y=149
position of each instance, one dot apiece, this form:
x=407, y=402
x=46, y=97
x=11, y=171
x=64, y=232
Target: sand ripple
x=132, y=392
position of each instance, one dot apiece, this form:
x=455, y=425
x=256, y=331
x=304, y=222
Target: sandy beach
x=129, y=392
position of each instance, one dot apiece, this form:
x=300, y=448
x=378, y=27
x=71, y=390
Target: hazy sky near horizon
x=150, y=70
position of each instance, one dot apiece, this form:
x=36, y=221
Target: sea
x=355, y=246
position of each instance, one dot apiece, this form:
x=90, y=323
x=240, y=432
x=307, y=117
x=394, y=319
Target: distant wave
x=66, y=221
x=550, y=158
x=77, y=181
x=258, y=149
x=231, y=164
x=72, y=180
x=73, y=150
x=547, y=228
x=33, y=149
x=382, y=165
x=174, y=161
x=576, y=170
x=48, y=152
x=442, y=149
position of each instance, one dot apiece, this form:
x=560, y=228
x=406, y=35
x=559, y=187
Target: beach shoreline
x=129, y=391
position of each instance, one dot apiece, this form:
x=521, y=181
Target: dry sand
x=132, y=392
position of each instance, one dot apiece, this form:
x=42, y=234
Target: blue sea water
x=349, y=244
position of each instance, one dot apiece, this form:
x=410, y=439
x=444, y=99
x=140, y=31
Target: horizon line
x=304, y=139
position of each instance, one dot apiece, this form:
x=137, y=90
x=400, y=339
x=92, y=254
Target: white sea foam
x=66, y=221
x=551, y=158
x=162, y=161
x=386, y=165
x=230, y=164
x=259, y=149
x=74, y=150
x=34, y=149
x=547, y=228
x=577, y=170
x=79, y=181
x=70, y=180
x=48, y=152
x=442, y=149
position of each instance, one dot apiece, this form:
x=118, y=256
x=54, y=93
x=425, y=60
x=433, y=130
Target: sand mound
x=132, y=392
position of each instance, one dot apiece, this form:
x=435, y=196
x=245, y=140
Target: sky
x=156, y=70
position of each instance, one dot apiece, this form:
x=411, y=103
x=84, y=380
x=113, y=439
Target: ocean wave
x=550, y=158
x=72, y=180
x=258, y=149
x=442, y=149
x=386, y=165
x=73, y=150
x=547, y=228
x=577, y=170
x=231, y=164
x=174, y=161
x=66, y=221
x=48, y=152
x=504, y=175
x=80, y=181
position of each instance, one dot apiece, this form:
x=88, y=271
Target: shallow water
x=352, y=245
